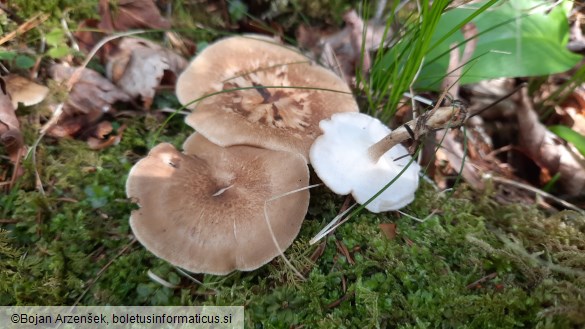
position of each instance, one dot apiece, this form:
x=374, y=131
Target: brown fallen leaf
x=341, y=51
x=459, y=161
x=90, y=98
x=88, y=36
x=103, y=137
x=456, y=62
x=389, y=230
x=122, y=16
x=573, y=110
x=548, y=151
x=139, y=66
x=356, y=27
x=25, y=91
x=576, y=40
x=131, y=14
x=10, y=135
x=7, y=115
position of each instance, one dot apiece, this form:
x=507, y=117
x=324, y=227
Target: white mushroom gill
x=340, y=158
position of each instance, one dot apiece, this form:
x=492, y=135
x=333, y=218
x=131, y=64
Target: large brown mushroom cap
x=205, y=212
x=283, y=108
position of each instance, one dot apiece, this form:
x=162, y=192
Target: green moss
x=76, y=9
x=75, y=236
x=70, y=242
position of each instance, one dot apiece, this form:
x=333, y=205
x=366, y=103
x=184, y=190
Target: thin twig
x=65, y=26
x=339, y=301
x=485, y=278
x=440, y=118
x=25, y=27
x=534, y=190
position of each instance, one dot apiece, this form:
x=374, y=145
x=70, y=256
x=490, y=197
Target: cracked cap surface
x=264, y=94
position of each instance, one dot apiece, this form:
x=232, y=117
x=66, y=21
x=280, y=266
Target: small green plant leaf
x=516, y=38
x=237, y=10
x=59, y=51
x=55, y=38
x=570, y=136
x=7, y=55
x=24, y=62
x=98, y=195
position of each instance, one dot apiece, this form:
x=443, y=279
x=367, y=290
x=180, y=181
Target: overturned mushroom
x=341, y=157
x=205, y=210
x=261, y=94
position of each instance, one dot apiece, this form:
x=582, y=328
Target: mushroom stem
x=440, y=118
x=385, y=144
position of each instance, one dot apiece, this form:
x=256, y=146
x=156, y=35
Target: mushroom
x=205, y=210
x=260, y=94
x=25, y=91
x=341, y=157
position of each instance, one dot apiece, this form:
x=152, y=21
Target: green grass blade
x=570, y=136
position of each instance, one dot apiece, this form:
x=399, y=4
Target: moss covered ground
x=473, y=263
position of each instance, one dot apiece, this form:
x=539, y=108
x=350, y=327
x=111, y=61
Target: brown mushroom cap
x=285, y=119
x=205, y=212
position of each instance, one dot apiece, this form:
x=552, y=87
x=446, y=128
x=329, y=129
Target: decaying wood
x=547, y=150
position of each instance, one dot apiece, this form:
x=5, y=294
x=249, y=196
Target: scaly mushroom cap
x=284, y=119
x=340, y=158
x=205, y=212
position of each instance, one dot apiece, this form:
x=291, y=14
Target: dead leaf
x=10, y=135
x=183, y=46
x=548, y=151
x=139, y=67
x=341, y=51
x=91, y=97
x=131, y=14
x=389, y=230
x=456, y=62
x=573, y=111
x=88, y=36
x=25, y=91
x=356, y=27
x=458, y=160
x=576, y=40
x=103, y=137
x=7, y=115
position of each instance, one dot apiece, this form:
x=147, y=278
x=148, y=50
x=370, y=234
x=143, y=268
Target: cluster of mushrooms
x=237, y=194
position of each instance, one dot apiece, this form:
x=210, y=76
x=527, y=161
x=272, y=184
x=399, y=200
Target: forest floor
x=489, y=258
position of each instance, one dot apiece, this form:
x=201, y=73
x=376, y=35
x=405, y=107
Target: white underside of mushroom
x=340, y=158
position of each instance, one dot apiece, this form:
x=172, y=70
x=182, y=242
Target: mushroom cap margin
x=285, y=119
x=190, y=216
